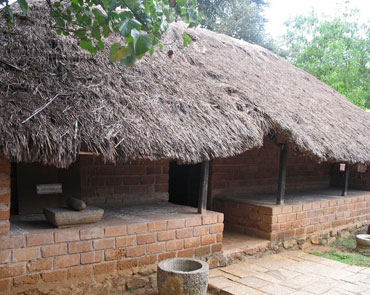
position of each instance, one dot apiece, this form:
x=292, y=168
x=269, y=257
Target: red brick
x=26, y=280
x=104, y=244
x=153, y=170
x=5, y=256
x=127, y=264
x=131, y=180
x=209, y=219
x=216, y=248
x=147, y=179
x=147, y=260
x=157, y=226
x=125, y=241
x=291, y=217
x=175, y=223
x=4, y=227
x=79, y=247
x=192, y=242
x=166, y=255
x=186, y=253
x=184, y=233
x=40, y=239
x=155, y=248
x=219, y=238
x=67, y=260
x=220, y=217
x=54, y=276
x=5, y=198
x=91, y=257
x=137, y=228
x=287, y=209
x=13, y=270
x=80, y=272
x=135, y=251
x=5, y=285
x=66, y=236
x=162, y=179
x=201, y=230
x=307, y=207
x=12, y=242
x=175, y=245
x=297, y=208
x=216, y=228
x=40, y=264
x=114, y=254
x=91, y=233
x=281, y=218
x=115, y=231
x=201, y=251
x=146, y=239
x=25, y=254
x=166, y=236
x=193, y=221
x=54, y=250
x=161, y=188
x=208, y=239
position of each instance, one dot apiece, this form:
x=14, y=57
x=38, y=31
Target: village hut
x=221, y=120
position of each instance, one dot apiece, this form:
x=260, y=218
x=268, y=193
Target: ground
x=290, y=273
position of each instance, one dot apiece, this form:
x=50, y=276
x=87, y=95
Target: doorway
x=184, y=184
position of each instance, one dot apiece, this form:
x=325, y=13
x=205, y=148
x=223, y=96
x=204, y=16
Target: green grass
x=344, y=250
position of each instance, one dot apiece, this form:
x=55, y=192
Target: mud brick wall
x=123, y=183
x=286, y=222
x=258, y=171
x=4, y=194
x=359, y=180
x=113, y=258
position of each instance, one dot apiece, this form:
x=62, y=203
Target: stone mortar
x=182, y=276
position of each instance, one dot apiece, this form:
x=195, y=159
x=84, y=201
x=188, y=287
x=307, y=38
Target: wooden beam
x=202, y=200
x=346, y=180
x=282, y=174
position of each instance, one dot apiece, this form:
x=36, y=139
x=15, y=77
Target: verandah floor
x=145, y=213
x=307, y=196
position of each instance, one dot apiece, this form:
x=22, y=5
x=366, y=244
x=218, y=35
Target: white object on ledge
x=47, y=189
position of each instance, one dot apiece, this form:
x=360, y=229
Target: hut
x=221, y=121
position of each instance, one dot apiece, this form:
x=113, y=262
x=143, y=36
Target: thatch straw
x=217, y=98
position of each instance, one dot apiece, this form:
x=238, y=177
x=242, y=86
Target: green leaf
x=186, y=40
x=161, y=46
x=24, y=6
x=142, y=42
x=80, y=33
x=100, y=45
x=96, y=33
x=106, y=30
x=127, y=25
x=87, y=45
x=100, y=17
x=117, y=52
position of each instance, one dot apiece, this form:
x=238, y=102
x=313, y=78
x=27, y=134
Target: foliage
x=345, y=244
x=336, y=51
x=347, y=258
x=141, y=23
x=241, y=19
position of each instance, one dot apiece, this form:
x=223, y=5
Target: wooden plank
x=346, y=180
x=282, y=174
x=202, y=201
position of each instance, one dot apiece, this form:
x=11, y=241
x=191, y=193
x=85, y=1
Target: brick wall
x=359, y=180
x=93, y=256
x=258, y=171
x=294, y=221
x=4, y=194
x=125, y=184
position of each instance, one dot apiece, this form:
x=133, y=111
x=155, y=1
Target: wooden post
x=282, y=174
x=202, y=200
x=346, y=180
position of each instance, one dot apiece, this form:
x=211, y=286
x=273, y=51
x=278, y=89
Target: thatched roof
x=217, y=98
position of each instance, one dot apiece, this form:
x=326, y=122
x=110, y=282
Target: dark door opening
x=184, y=184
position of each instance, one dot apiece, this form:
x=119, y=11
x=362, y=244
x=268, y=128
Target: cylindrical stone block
x=183, y=276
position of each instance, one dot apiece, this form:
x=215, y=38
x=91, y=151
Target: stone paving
x=290, y=273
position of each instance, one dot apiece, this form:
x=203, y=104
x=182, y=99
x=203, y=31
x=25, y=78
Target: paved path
x=290, y=273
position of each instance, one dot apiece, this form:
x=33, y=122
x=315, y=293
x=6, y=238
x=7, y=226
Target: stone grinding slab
x=65, y=217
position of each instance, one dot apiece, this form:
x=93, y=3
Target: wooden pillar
x=282, y=174
x=346, y=180
x=202, y=200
